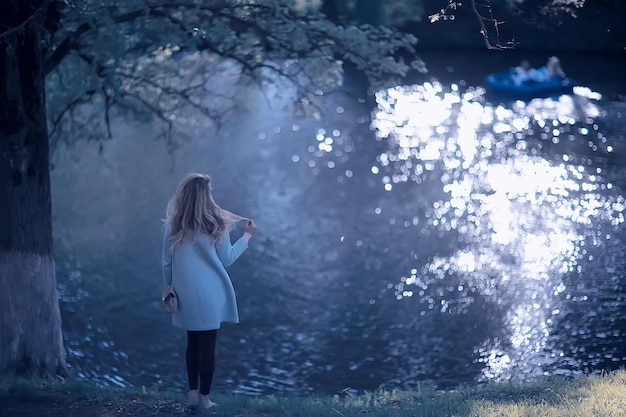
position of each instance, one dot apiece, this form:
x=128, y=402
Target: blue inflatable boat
x=504, y=83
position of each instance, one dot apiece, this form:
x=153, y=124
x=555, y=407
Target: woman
x=521, y=73
x=551, y=69
x=196, y=250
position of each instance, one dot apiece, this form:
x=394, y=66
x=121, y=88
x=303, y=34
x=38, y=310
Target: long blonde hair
x=192, y=211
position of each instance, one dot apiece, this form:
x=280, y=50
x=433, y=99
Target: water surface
x=438, y=235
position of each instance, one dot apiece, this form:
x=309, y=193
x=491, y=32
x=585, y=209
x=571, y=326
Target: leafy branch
x=130, y=51
x=447, y=13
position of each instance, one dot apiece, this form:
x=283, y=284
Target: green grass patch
x=592, y=396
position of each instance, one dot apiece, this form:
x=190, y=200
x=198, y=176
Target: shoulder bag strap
x=172, y=269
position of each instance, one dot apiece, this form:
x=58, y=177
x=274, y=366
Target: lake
x=438, y=236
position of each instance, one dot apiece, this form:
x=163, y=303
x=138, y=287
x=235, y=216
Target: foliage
x=381, y=12
x=491, y=14
x=170, y=57
x=184, y=60
x=552, y=8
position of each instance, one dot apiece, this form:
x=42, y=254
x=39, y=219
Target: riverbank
x=590, y=396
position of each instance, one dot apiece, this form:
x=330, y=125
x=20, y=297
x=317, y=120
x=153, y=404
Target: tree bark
x=31, y=341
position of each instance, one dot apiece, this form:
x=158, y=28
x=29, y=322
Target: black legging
x=200, y=358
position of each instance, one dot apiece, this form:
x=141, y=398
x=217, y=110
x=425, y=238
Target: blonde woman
x=196, y=251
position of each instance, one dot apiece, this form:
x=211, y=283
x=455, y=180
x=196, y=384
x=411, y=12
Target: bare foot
x=194, y=398
x=206, y=402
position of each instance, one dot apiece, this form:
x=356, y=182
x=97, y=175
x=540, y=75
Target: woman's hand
x=250, y=226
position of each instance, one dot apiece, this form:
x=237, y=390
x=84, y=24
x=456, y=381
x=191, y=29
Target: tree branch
x=22, y=26
x=447, y=14
x=65, y=47
x=483, y=29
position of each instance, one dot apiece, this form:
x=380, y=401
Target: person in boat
x=521, y=73
x=551, y=69
x=525, y=73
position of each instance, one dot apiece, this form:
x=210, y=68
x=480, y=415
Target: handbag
x=170, y=300
x=168, y=296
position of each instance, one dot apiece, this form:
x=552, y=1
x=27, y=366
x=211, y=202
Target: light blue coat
x=206, y=297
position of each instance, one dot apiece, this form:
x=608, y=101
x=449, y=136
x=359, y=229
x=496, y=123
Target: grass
x=592, y=396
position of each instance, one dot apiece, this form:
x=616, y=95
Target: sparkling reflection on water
x=528, y=217
x=442, y=239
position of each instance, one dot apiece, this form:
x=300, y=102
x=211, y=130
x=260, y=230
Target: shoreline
x=589, y=396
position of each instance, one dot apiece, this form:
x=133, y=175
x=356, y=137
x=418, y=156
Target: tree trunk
x=31, y=340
